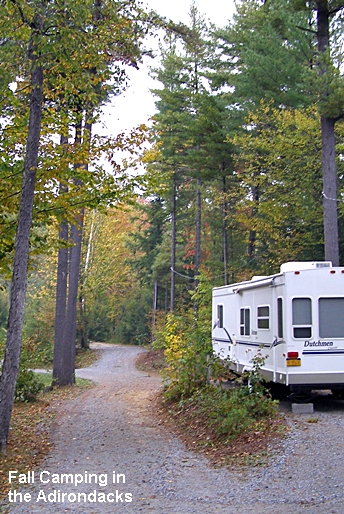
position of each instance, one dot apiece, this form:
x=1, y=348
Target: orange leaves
x=28, y=440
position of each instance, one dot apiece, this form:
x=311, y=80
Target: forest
x=240, y=169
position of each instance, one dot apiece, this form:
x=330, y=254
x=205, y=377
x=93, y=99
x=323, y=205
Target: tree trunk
x=21, y=252
x=155, y=307
x=173, y=243
x=253, y=235
x=329, y=172
x=251, y=244
x=74, y=272
x=59, y=363
x=82, y=301
x=224, y=232
x=329, y=168
x=198, y=230
x=83, y=279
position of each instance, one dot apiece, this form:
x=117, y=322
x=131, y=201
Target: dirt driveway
x=112, y=455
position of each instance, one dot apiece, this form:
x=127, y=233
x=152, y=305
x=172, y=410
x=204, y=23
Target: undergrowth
x=224, y=413
x=29, y=384
x=228, y=413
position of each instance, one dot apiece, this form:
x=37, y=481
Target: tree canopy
x=243, y=166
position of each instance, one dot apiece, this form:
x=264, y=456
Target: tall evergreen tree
x=281, y=52
x=190, y=130
x=331, y=110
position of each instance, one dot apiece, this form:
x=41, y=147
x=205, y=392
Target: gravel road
x=111, y=435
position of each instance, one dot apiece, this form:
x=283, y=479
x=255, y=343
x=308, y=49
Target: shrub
x=28, y=386
x=229, y=412
x=186, y=341
x=186, y=349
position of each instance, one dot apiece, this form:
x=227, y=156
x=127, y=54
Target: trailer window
x=220, y=316
x=245, y=328
x=302, y=318
x=331, y=317
x=280, y=318
x=263, y=317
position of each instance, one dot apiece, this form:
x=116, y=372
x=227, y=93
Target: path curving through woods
x=112, y=433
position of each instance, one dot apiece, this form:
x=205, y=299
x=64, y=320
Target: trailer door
x=279, y=346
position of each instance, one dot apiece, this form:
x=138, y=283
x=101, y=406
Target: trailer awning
x=253, y=285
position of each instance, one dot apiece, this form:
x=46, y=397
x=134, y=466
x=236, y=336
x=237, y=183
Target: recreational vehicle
x=295, y=319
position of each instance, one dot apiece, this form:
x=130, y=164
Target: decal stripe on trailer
x=324, y=352
x=243, y=343
x=221, y=340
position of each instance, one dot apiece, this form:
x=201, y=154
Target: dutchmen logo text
x=318, y=343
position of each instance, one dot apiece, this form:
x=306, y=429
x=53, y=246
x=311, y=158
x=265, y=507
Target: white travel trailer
x=294, y=318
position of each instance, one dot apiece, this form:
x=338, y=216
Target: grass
x=46, y=379
x=83, y=359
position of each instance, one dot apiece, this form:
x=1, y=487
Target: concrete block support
x=302, y=408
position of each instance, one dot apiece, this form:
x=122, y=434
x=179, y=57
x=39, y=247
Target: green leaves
x=280, y=159
x=265, y=53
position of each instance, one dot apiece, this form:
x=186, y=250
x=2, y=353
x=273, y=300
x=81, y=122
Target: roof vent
x=298, y=266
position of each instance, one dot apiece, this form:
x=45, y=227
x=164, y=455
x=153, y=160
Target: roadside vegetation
x=226, y=421
x=34, y=355
x=225, y=416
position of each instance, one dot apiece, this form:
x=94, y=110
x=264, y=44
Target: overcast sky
x=218, y=11
x=136, y=105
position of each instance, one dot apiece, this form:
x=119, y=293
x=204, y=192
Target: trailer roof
x=299, y=265
x=292, y=266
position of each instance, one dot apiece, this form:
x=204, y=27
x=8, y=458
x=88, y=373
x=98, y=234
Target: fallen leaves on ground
x=151, y=361
x=249, y=448
x=30, y=432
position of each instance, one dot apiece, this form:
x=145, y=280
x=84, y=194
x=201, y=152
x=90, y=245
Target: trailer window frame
x=245, y=321
x=302, y=317
x=263, y=317
x=280, y=327
x=219, y=312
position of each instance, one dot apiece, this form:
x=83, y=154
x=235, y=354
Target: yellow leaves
x=109, y=277
x=174, y=341
x=152, y=154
